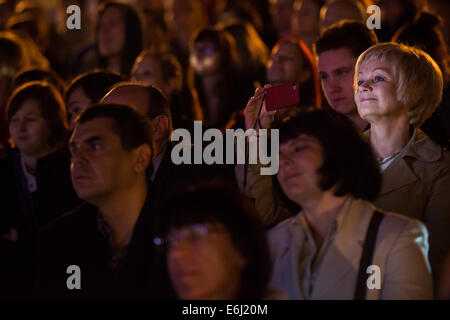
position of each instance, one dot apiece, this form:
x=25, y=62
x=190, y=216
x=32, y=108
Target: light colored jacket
x=400, y=252
x=417, y=184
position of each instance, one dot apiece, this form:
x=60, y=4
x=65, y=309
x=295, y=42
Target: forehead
x=302, y=138
x=335, y=59
x=129, y=95
x=375, y=64
x=112, y=13
x=29, y=105
x=97, y=127
x=77, y=94
x=148, y=61
x=287, y=48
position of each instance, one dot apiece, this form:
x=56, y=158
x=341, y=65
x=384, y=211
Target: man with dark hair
x=336, y=51
x=167, y=177
x=103, y=248
x=151, y=102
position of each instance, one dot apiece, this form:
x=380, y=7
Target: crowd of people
x=94, y=206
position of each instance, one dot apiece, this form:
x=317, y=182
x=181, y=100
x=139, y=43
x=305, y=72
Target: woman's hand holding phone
x=252, y=110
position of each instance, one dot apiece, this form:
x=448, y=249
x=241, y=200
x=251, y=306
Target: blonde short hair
x=419, y=78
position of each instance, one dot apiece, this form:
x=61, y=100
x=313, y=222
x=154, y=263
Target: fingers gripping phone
x=282, y=96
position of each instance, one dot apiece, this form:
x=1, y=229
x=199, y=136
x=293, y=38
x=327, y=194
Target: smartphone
x=282, y=96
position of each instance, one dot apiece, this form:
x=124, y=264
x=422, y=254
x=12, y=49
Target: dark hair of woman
x=215, y=202
x=133, y=35
x=349, y=164
x=51, y=105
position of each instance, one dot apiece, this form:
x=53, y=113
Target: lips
x=291, y=176
x=337, y=100
x=367, y=99
x=81, y=177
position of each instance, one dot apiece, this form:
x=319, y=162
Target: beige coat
x=417, y=184
x=400, y=252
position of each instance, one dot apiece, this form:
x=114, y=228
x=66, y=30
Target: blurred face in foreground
x=203, y=262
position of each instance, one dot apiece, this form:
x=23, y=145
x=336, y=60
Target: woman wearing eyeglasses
x=216, y=248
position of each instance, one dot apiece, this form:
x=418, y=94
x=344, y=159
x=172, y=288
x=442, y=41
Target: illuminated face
x=305, y=17
x=285, y=65
x=205, y=59
x=336, y=72
x=300, y=158
x=148, y=70
x=100, y=166
x=376, y=92
x=29, y=130
x=187, y=17
x=281, y=11
x=111, y=33
x=77, y=102
x=203, y=262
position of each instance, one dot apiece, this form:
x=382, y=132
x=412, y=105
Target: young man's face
x=100, y=166
x=336, y=71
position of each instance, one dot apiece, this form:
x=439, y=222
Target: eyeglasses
x=193, y=234
x=206, y=50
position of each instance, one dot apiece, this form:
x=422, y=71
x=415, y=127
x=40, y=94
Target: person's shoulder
x=398, y=223
x=69, y=223
x=429, y=154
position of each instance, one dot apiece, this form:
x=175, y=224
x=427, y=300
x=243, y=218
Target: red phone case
x=282, y=96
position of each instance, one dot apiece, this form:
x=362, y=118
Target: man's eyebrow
x=93, y=139
x=343, y=68
x=87, y=140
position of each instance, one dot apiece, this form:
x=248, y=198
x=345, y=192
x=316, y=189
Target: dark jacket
x=28, y=212
x=75, y=239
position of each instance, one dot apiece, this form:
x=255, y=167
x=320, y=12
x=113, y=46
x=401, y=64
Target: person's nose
x=22, y=125
x=180, y=250
x=365, y=85
x=335, y=85
x=285, y=162
x=78, y=157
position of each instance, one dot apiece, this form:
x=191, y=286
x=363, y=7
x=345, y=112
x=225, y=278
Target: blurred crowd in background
x=180, y=61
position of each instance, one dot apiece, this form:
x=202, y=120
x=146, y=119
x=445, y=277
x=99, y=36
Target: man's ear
x=143, y=158
x=160, y=126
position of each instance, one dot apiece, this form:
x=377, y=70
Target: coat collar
x=399, y=173
x=343, y=255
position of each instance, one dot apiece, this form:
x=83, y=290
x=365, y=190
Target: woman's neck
x=388, y=138
x=113, y=64
x=321, y=211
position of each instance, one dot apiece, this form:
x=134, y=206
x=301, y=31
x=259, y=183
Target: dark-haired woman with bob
x=215, y=246
x=328, y=170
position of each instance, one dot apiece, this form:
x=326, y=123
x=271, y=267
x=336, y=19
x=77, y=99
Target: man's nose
x=78, y=157
x=335, y=84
